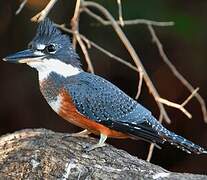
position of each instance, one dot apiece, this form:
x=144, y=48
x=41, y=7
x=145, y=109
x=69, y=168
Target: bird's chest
x=51, y=89
x=61, y=102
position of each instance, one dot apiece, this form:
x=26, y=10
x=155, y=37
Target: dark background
x=22, y=105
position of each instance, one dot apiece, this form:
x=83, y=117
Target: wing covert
x=100, y=100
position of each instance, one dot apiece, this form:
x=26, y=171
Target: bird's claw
x=89, y=148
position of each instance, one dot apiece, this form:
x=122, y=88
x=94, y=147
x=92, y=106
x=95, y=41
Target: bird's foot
x=92, y=147
x=101, y=143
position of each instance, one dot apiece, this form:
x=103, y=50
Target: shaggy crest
x=48, y=33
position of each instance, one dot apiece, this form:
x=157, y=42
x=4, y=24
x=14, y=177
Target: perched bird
x=88, y=100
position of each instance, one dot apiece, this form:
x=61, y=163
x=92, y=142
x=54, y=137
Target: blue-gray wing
x=103, y=102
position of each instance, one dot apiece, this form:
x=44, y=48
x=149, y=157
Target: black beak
x=24, y=56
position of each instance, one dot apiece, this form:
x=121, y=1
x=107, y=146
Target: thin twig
x=190, y=97
x=120, y=13
x=151, y=149
x=176, y=72
x=75, y=22
x=85, y=52
x=131, y=51
x=143, y=21
x=42, y=14
x=139, y=84
x=21, y=6
x=175, y=105
x=76, y=35
x=128, y=22
x=180, y=106
x=76, y=12
x=93, y=15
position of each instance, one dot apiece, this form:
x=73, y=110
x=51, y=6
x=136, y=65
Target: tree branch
x=85, y=52
x=23, y=3
x=120, y=13
x=75, y=23
x=43, y=154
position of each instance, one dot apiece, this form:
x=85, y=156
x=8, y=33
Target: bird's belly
x=85, y=123
x=66, y=109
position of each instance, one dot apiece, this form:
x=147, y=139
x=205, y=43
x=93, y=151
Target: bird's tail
x=182, y=143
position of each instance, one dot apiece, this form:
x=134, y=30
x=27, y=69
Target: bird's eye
x=50, y=48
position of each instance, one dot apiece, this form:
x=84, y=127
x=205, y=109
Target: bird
x=88, y=100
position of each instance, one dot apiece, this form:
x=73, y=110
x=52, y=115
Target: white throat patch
x=45, y=67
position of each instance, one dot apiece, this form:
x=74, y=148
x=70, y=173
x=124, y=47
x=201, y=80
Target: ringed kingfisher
x=87, y=100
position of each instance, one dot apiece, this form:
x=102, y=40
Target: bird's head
x=50, y=50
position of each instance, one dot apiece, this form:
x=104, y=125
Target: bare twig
x=76, y=35
x=93, y=15
x=139, y=84
x=131, y=51
x=190, y=97
x=175, y=105
x=75, y=22
x=180, y=106
x=76, y=12
x=120, y=13
x=42, y=14
x=85, y=52
x=151, y=149
x=176, y=73
x=128, y=22
x=143, y=21
x=21, y=7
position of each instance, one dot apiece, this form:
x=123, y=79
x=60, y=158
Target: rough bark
x=43, y=154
